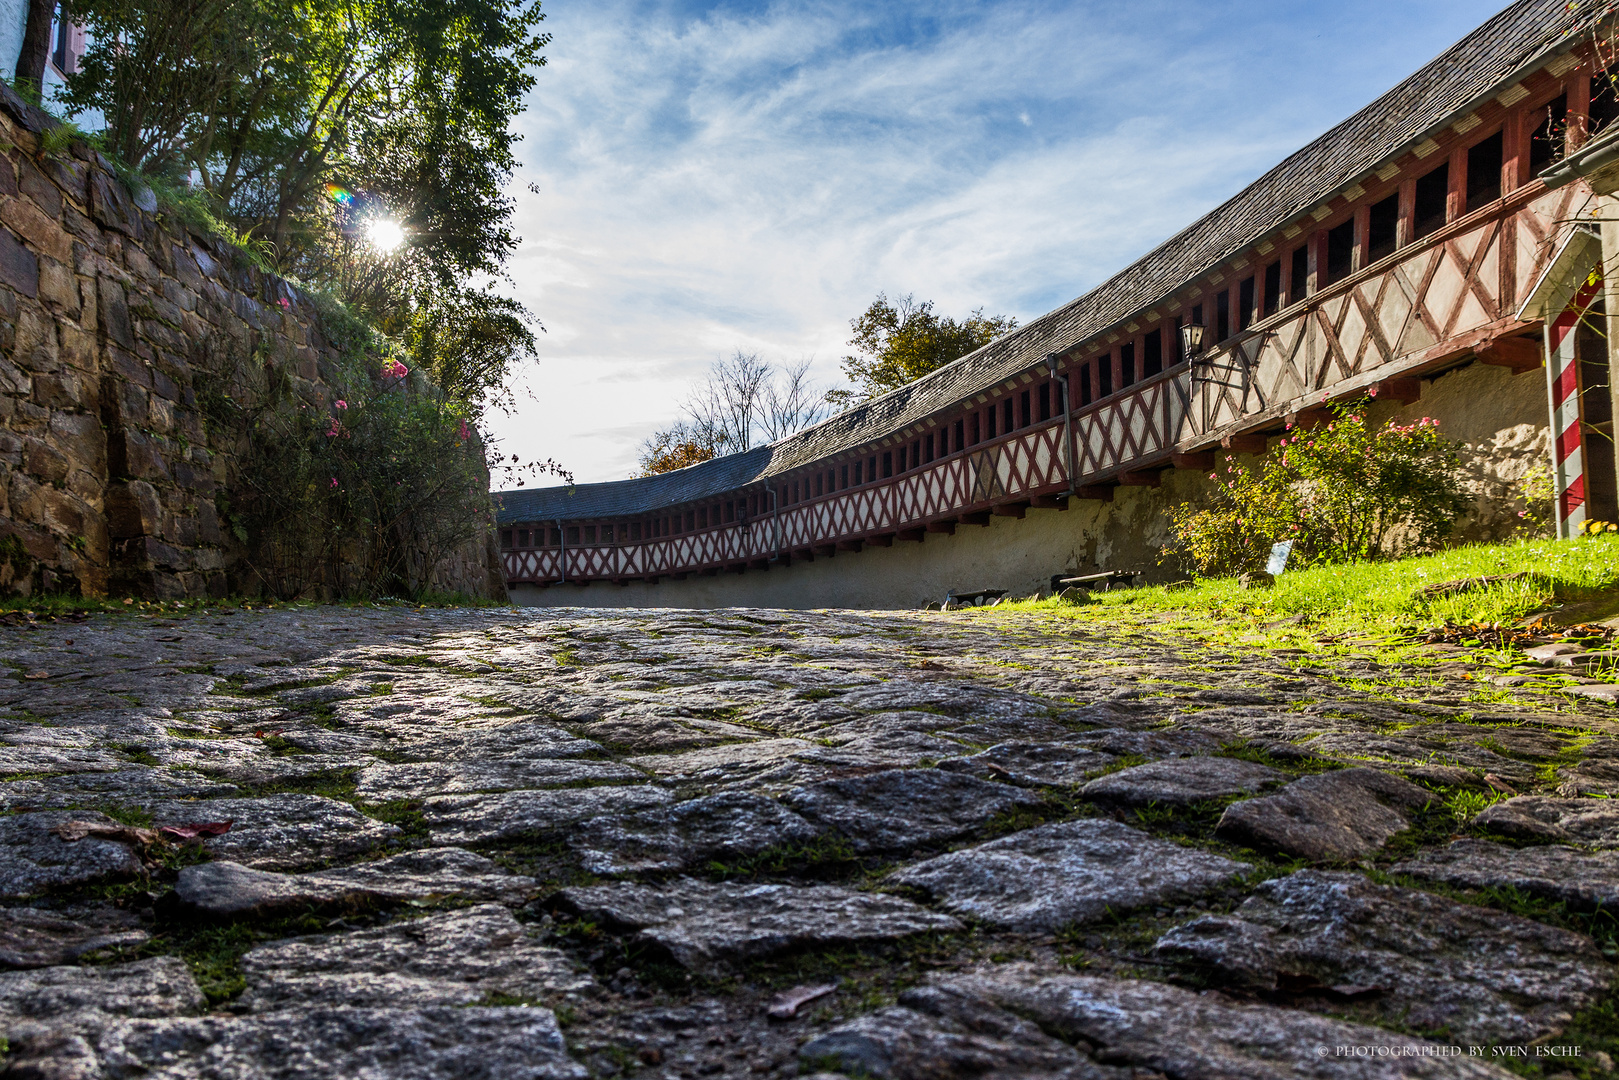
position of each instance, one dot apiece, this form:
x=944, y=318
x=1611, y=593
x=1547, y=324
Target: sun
x=384, y=234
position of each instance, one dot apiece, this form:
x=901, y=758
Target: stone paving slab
x=231, y=889
x=456, y=958
x=1568, y=875
x=891, y=804
x=1333, y=816
x=1181, y=781
x=33, y=857
x=899, y=810
x=32, y=938
x=1485, y=976
x=707, y=927
x=1046, y=877
x=467, y=819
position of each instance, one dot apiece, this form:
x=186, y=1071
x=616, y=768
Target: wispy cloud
x=732, y=176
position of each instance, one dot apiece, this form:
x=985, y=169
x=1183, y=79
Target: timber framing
x=1364, y=262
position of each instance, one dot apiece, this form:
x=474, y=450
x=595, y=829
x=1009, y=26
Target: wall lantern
x=1191, y=340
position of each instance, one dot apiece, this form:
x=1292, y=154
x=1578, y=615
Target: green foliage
x=901, y=341
x=468, y=342
x=306, y=120
x=363, y=498
x=1344, y=491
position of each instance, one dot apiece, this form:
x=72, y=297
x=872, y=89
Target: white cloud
x=725, y=179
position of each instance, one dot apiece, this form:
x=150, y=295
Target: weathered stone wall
x=114, y=319
x=1499, y=418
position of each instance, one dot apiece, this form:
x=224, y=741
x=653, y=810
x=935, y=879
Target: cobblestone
x=560, y=844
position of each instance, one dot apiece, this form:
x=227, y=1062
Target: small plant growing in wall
x=1342, y=491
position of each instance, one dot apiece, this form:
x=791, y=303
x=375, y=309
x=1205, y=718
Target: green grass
x=1370, y=602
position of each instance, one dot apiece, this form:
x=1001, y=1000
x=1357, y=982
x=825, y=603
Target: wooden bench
x=1106, y=580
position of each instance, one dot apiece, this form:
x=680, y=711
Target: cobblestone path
x=467, y=844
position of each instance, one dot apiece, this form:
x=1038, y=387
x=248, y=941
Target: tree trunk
x=36, y=44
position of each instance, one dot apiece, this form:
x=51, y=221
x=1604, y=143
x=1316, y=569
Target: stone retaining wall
x=114, y=318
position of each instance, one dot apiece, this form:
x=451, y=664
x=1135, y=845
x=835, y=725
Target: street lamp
x=1191, y=339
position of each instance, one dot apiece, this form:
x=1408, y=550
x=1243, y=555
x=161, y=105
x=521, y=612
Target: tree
x=742, y=394
x=36, y=45
x=468, y=342
x=900, y=341
x=682, y=445
x=305, y=122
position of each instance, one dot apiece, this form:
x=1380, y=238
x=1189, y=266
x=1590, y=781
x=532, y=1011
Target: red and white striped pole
x=1563, y=389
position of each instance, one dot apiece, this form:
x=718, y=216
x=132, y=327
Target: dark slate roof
x=1504, y=49
x=622, y=498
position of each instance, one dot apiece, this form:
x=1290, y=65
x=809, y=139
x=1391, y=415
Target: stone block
x=58, y=286
x=138, y=456
x=44, y=233
x=114, y=310
x=130, y=368
x=110, y=204
x=133, y=509
x=69, y=175
x=140, y=264
x=8, y=176
x=45, y=462
x=76, y=350
x=160, y=414
x=59, y=391
x=19, y=267
x=37, y=188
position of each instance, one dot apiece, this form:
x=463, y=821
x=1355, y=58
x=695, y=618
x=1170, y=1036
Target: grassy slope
x=1572, y=581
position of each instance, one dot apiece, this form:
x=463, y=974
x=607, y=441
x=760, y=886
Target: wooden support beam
x=804, y=554
x=980, y=517
x=737, y=568
x=946, y=527
x=1244, y=444
x=1048, y=502
x=1100, y=492
x=758, y=564
x=581, y=582
x=825, y=550
x=710, y=571
x=1201, y=460
x=1519, y=354
x=1405, y=391
x=1010, y=509
x=911, y=534
x=881, y=540
x=1141, y=478
x=678, y=576
x=849, y=545
x=621, y=581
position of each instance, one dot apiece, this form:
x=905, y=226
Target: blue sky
x=750, y=175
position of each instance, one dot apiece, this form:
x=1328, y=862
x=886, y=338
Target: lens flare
x=339, y=195
x=385, y=235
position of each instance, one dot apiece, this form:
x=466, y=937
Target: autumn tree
x=900, y=341
x=743, y=396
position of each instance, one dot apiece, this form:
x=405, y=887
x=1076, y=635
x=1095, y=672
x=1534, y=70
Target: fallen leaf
x=127, y=834
x=37, y=675
x=787, y=1003
x=192, y=832
x=1499, y=784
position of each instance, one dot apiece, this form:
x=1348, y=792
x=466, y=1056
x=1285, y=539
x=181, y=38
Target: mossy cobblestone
x=442, y=837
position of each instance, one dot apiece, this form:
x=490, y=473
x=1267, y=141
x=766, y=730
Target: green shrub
x=1342, y=491
x=362, y=497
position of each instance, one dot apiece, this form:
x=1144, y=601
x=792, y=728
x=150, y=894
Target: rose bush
x=1341, y=491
